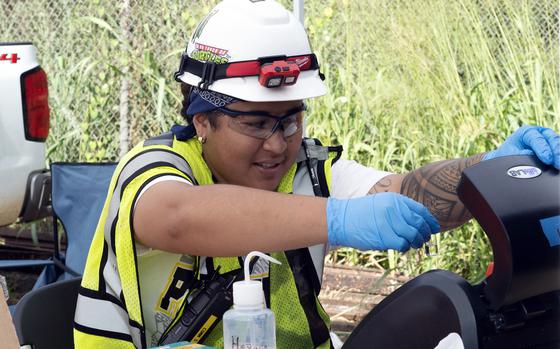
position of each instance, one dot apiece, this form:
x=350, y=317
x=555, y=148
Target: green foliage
x=421, y=81
x=410, y=82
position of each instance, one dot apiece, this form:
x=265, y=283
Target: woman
x=185, y=204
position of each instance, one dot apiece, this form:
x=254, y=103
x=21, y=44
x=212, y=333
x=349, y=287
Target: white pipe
x=298, y=10
x=299, y=14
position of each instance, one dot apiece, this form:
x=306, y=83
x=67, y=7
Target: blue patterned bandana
x=202, y=101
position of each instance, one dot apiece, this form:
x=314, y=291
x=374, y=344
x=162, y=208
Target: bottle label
x=235, y=344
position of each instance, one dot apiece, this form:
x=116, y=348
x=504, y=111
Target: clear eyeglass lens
x=254, y=126
x=261, y=126
x=290, y=126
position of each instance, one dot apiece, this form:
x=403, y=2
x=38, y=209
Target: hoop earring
x=201, y=139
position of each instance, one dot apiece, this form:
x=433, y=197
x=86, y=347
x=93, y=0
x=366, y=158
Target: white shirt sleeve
x=141, y=249
x=157, y=180
x=351, y=179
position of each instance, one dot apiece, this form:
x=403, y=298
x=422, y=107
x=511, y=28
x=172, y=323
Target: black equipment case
x=516, y=201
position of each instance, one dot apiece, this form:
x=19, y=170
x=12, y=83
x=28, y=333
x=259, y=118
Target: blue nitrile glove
x=379, y=222
x=531, y=140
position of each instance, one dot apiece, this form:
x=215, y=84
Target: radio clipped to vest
x=197, y=318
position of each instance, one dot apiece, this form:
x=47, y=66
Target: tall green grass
x=411, y=82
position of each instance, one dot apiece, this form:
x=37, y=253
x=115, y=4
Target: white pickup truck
x=24, y=127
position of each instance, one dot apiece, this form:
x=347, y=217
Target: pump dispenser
x=249, y=324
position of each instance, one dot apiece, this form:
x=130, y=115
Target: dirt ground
x=16, y=242
x=19, y=283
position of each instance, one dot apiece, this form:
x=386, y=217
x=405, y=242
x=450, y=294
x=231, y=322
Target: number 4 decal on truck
x=9, y=57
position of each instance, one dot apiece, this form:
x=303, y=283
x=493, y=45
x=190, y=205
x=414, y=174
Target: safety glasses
x=261, y=124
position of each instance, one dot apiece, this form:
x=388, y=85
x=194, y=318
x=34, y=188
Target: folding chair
x=44, y=317
x=77, y=196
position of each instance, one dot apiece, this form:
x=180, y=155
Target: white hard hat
x=252, y=39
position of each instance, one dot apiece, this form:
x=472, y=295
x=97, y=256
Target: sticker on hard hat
x=214, y=50
x=551, y=229
x=202, y=24
x=524, y=172
x=208, y=53
x=302, y=62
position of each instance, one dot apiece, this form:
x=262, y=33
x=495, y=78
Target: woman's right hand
x=379, y=222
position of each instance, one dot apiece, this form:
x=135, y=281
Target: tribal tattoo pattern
x=435, y=186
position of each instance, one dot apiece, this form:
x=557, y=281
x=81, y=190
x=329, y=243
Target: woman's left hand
x=531, y=140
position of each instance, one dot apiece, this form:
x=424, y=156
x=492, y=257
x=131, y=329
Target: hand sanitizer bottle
x=249, y=324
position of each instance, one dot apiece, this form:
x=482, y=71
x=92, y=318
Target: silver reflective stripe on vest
x=92, y=313
x=129, y=169
x=202, y=269
x=110, y=273
x=303, y=186
x=318, y=253
x=313, y=151
x=163, y=139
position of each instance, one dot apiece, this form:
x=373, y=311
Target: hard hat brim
x=309, y=85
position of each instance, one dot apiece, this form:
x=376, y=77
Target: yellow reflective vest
x=109, y=309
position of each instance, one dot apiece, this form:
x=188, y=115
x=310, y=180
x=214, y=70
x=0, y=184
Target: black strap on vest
x=311, y=164
x=316, y=167
x=308, y=287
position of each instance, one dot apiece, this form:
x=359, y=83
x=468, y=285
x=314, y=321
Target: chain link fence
x=110, y=63
x=109, y=66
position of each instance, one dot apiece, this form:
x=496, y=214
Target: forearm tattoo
x=435, y=186
x=382, y=186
